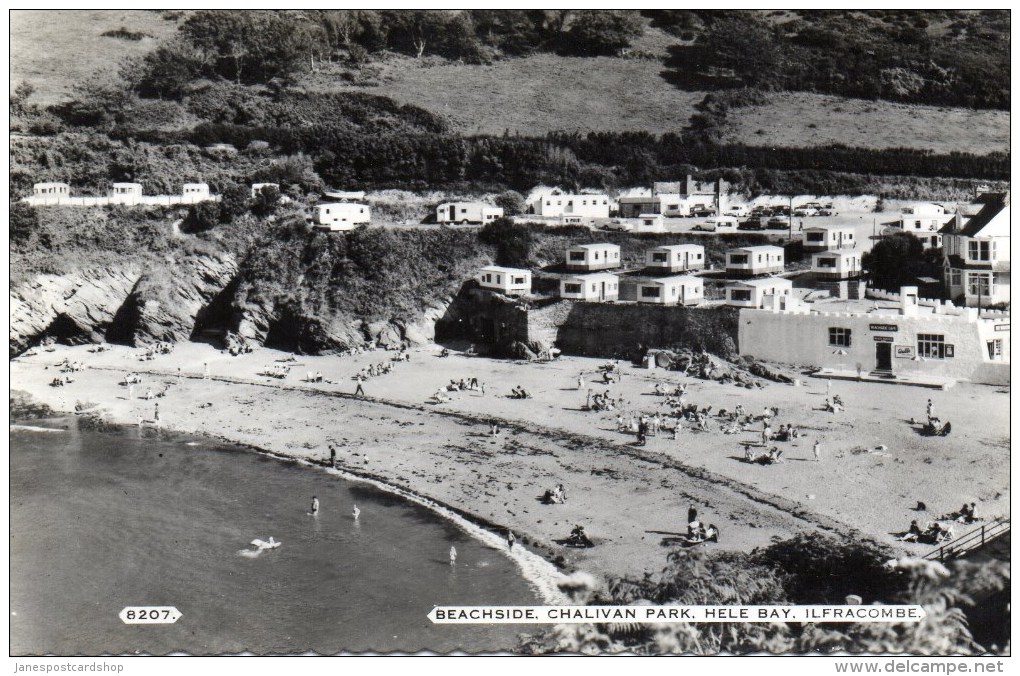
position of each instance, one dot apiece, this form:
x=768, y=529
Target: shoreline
x=538, y=571
x=630, y=499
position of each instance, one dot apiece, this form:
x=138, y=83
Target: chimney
x=908, y=301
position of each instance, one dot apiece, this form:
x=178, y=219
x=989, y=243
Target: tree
x=24, y=222
x=600, y=32
x=167, y=71
x=895, y=261
x=266, y=201
x=512, y=203
x=234, y=202
x=512, y=241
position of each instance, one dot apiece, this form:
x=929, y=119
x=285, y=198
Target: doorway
x=883, y=356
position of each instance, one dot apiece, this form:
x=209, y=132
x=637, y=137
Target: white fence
x=124, y=200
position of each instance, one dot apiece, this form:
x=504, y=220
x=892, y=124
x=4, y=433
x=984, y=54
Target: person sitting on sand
x=440, y=397
x=913, y=533
x=444, y=353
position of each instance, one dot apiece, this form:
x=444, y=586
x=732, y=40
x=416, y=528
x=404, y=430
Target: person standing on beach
x=817, y=450
x=580, y=381
x=205, y=373
x=931, y=409
x=332, y=457
x=453, y=556
x=178, y=376
x=155, y=413
x=315, y=505
x=359, y=391
x=510, y=539
x=692, y=513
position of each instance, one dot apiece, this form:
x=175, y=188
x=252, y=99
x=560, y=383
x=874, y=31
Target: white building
x=592, y=257
x=842, y=264
x=125, y=193
x=909, y=340
x=753, y=292
x=508, y=281
x=595, y=287
x=195, y=192
x=467, y=212
x=650, y=223
x=676, y=257
x=829, y=237
x=755, y=260
x=338, y=216
x=557, y=204
x=678, y=290
x=49, y=193
x=976, y=254
x=346, y=195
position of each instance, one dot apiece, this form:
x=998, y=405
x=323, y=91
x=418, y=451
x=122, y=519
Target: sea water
x=104, y=520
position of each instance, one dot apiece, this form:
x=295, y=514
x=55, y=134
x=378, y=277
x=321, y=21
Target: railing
x=970, y=541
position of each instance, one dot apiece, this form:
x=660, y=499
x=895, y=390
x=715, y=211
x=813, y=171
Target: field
x=530, y=96
x=54, y=49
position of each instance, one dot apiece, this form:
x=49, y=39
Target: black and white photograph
x=520, y=332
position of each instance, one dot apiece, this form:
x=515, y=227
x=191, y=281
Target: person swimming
x=315, y=505
x=357, y=512
x=453, y=555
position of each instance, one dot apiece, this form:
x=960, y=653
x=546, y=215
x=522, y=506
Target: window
x=674, y=290
x=917, y=225
x=839, y=337
x=815, y=236
x=995, y=349
x=499, y=279
x=463, y=211
x=577, y=255
x=979, y=284
x=826, y=262
x=519, y=280
x=596, y=255
x=487, y=278
x=740, y=294
x=980, y=251
x=738, y=259
x=931, y=346
x=571, y=288
x=955, y=278
x=649, y=292
x=660, y=257
x=759, y=258
x=698, y=257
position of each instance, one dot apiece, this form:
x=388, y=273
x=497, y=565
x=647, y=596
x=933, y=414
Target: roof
x=126, y=184
x=340, y=204
x=639, y=199
x=471, y=204
x=48, y=183
x=591, y=276
x=991, y=221
x=683, y=279
x=597, y=245
x=844, y=253
x=678, y=247
x=769, y=281
x=761, y=247
x=508, y=271
x=831, y=226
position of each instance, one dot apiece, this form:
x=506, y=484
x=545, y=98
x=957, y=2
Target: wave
x=33, y=428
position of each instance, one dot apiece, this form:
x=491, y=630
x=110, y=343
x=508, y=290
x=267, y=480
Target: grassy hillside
x=54, y=49
x=543, y=93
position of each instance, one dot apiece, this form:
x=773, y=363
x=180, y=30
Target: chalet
x=678, y=290
x=843, y=264
x=650, y=223
x=754, y=260
x=976, y=254
x=195, y=192
x=346, y=195
x=594, y=287
x=558, y=204
x=752, y=292
x=467, y=212
x=50, y=193
x=338, y=216
x=508, y=281
x=676, y=257
x=125, y=193
x=829, y=237
x=592, y=257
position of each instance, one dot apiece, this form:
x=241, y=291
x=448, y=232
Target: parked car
x=618, y=225
x=826, y=212
x=702, y=213
x=751, y=224
x=777, y=222
x=718, y=224
x=804, y=212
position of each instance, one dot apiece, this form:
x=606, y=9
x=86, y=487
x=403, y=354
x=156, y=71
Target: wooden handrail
x=971, y=540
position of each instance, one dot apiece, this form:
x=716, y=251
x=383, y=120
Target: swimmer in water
x=356, y=512
x=315, y=505
x=453, y=555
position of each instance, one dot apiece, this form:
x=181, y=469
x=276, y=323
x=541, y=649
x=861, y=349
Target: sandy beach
x=874, y=467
